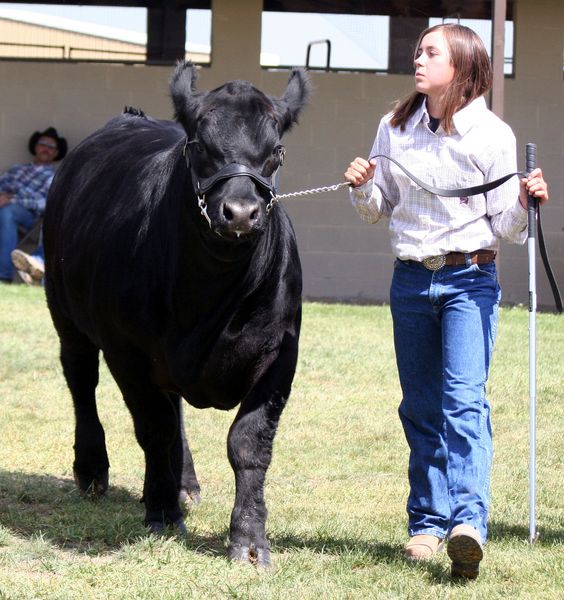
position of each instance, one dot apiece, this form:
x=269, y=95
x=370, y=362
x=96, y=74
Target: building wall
x=343, y=258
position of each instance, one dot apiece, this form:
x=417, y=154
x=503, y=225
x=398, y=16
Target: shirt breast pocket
x=466, y=206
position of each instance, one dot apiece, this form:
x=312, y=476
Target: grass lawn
x=336, y=489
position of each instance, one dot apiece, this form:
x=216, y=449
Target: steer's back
x=107, y=199
x=112, y=177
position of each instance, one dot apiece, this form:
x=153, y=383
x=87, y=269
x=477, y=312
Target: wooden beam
x=166, y=34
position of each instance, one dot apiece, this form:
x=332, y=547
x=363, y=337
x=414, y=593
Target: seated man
x=23, y=192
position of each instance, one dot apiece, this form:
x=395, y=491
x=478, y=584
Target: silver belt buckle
x=434, y=263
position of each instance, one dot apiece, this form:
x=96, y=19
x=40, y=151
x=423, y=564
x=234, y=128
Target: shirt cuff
x=519, y=215
x=362, y=198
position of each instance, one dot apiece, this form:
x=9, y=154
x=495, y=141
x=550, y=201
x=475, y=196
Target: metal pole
x=531, y=161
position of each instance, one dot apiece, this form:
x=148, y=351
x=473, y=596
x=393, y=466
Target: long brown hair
x=472, y=75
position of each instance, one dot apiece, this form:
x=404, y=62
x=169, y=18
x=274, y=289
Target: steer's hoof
x=189, y=499
x=91, y=486
x=178, y=528
x=259, y=557
x=181, y=529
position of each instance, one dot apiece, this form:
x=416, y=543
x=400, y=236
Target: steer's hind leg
x=182, y=462
x=157, y=430
x=80, y=361
x=157, y=427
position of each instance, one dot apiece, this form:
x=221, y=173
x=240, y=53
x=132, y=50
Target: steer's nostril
x=254, y=215
x=227, y=212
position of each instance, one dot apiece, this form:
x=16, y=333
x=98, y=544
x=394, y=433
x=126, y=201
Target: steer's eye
x=279, y=152
x=276, y=160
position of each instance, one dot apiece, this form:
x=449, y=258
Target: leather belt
x=454, y=259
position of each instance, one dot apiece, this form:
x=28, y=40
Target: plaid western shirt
x=29, y=184
x=481, y=148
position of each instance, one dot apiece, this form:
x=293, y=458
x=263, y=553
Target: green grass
x=336, y=490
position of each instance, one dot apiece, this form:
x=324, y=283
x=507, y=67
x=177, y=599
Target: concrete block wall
x=534, y=107
x=343, y=258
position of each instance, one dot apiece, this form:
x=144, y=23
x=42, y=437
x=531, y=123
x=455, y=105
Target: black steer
x=164, y=251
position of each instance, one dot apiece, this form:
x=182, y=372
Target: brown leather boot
x=465, y=550
x=422, y=547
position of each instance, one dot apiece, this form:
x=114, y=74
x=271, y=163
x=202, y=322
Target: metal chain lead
x=319, y=190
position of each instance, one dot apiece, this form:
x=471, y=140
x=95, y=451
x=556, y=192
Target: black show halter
x=204, y=185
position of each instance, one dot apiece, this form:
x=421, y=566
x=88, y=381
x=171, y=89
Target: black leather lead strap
x=457, y=193
x=482, y=189
x=547, y=267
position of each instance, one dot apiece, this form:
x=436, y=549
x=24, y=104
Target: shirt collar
x=40, y=165
x=421, y=114
x=468, y=116
x=463, y=120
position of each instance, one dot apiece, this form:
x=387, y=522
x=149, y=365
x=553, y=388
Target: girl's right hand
x=360, y=171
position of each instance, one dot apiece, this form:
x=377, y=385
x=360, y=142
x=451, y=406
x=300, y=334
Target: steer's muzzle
x=240, y=217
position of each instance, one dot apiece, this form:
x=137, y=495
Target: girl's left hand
x=533, y=185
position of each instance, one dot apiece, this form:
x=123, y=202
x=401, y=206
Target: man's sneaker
x=29, y=264
x=26, y=278
x=465, y=551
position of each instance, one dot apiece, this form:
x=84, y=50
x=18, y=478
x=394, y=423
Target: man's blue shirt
x=29, y=184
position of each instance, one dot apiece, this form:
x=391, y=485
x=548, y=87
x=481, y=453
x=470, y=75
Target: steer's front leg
x=249, y=446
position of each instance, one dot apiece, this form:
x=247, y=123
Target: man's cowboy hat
x=52, y=133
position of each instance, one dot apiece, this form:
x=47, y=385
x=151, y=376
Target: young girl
x=444, y=295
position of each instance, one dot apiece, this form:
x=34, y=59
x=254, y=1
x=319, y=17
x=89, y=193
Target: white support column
x=236, y=30
x=499, y=11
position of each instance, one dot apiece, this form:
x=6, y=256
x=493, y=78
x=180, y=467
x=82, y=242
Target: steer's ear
x=184, y=96
x=294, y=98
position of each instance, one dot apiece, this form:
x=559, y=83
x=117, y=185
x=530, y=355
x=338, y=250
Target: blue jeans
x=12, y=216
x=445, y=325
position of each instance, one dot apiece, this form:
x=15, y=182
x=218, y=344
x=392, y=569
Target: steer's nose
x=241, y=215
